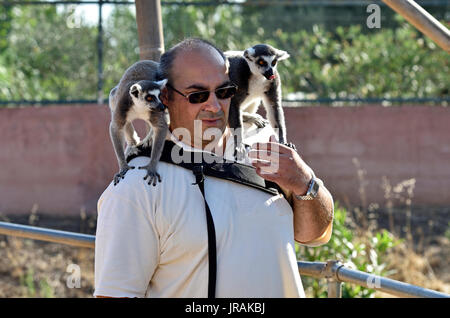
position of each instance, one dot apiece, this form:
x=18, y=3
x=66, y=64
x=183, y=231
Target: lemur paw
x=121, y=174
x=152, y=175
x=259, y=121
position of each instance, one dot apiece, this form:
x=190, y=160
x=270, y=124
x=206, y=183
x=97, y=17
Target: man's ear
x=164, y=96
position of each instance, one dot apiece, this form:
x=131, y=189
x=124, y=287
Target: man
x=153, y=242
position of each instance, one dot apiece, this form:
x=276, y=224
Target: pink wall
x=400, y=143
x=61, y=157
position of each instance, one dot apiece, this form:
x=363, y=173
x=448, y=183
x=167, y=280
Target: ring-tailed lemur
x=137, y=97
x=254, y=72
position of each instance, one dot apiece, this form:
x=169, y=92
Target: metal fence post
x=334, y=286
x=100, y=97
x=150, y=29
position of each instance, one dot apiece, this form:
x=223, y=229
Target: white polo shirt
x=153, y=242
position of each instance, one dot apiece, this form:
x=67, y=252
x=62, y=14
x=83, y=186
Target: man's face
x=201, y=69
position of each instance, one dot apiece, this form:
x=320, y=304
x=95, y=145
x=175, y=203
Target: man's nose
x=212, y=104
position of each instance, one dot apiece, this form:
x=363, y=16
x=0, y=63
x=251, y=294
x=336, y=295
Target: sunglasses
x=202, y=96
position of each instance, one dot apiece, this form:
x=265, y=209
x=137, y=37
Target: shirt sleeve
x=126, y=245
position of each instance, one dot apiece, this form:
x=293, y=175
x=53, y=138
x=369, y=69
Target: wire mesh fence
x=74, y=52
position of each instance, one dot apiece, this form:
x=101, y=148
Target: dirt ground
x=30, y=268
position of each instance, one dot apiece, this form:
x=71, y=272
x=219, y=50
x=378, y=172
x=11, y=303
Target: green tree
x=46, y=59
x=43, y=57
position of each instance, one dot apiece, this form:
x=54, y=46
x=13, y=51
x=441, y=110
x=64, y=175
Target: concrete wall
x=61, y=157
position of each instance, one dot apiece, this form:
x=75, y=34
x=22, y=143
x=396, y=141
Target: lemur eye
x=262, y=62
x=274, y=62
x=150, y=98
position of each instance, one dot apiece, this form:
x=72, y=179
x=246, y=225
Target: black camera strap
x=215, y=166
x=212, y=253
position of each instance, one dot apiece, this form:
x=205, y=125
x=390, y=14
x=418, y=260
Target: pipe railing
x=422, y=21
x=48, y=235
x=334, y=271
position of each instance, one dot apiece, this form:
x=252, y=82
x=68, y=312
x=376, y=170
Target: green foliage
x=364, y=253
x=28, y=281
x=43, y=57
x=43, y=291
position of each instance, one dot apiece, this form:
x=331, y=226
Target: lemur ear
x=135, y=90
x=162, y=83
x=249, y=53
x=282, y=55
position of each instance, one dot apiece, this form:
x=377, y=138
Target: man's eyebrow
x=197, y=86
x=201, y=87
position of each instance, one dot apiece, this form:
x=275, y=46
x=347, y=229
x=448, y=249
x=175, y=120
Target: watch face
x=312, y=191
x=315, y=189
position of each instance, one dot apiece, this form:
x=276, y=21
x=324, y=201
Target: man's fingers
x=266, y=155
x=272, y=147
x=267, y=175
x=261, y=163
x=265, y=167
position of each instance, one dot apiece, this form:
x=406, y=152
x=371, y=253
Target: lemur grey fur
x=254, y=72
x=137, y=97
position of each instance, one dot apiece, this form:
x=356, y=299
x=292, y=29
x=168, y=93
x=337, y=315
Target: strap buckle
x=198, y=172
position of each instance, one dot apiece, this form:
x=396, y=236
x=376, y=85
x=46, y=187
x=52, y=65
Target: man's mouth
x=210, y=121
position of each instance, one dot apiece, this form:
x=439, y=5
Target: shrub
x=364, y=253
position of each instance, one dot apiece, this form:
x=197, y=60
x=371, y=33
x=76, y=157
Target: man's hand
x=282, y=165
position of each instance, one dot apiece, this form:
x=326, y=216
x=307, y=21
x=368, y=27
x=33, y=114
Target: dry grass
x=428, y=269
x=422, y=258
x=37, y=269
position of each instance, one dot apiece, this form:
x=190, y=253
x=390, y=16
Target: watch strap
x=313, y=189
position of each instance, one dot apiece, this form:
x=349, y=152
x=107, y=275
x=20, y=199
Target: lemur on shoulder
x=137, y=96
x=255, y=73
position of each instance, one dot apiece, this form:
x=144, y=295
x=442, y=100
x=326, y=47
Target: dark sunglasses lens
x=198, y=97
x=226, y=92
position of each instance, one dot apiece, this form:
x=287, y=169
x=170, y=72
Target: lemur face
x=146, y=94
x=263, y=58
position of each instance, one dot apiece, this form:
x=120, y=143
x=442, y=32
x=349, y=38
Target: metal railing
x=334, y=271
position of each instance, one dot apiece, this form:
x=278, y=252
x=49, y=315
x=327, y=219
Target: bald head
x=184, y=51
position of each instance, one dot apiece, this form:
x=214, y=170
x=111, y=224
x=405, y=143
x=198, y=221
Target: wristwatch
x=313, y=189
